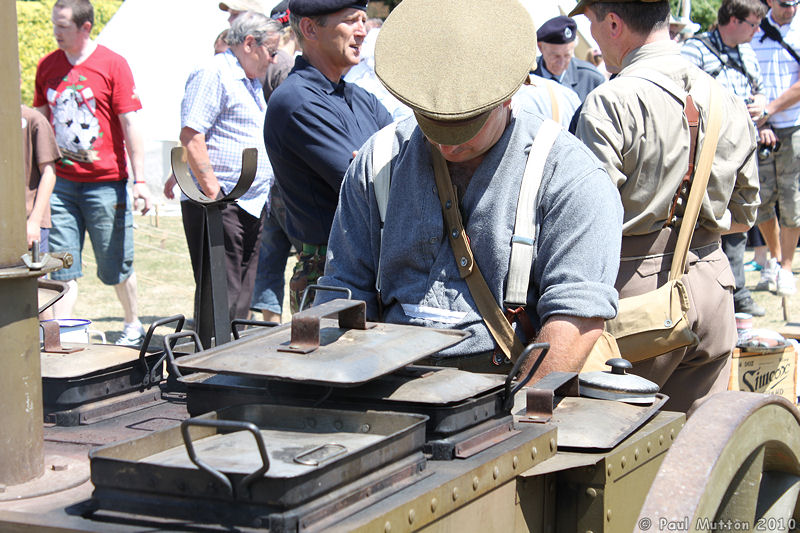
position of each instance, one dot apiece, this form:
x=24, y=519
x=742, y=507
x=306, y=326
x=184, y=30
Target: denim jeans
x=102, y=210
x=275, y=248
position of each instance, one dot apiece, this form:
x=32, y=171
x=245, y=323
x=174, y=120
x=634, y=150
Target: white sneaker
x=132, y=335
x=769, y=275
x=785, y=283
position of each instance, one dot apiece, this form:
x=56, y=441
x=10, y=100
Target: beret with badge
x=558, y=30
x=452, y=72
x=315, y=8
x=583, y=4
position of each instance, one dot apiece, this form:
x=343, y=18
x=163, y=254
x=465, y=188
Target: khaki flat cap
x=583, y=4
x=453, y=64
x=257, y=6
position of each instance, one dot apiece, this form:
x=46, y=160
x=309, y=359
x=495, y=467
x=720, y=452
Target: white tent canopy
x=164, y=40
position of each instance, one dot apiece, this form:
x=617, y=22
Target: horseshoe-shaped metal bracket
x=180, y=168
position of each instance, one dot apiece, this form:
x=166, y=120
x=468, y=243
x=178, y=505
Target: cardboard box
x=770, y=373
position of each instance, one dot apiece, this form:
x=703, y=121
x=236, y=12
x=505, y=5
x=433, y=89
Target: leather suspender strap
x=699, y=183
x=488, y=307
x=693, y=117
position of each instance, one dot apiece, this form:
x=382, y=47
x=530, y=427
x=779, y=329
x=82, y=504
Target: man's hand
x=767, y=137
x=142, y=192
x=169, y=187
x=756, y=107
x=34, y=230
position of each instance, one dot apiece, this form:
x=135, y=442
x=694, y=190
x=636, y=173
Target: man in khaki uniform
x=638, y=130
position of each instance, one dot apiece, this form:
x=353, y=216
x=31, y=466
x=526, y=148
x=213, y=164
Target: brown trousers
x=693, y=373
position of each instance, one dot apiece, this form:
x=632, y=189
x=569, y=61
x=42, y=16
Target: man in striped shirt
x=779, y=173
x=726, y=55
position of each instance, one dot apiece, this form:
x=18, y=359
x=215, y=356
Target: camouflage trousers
x=309, y=268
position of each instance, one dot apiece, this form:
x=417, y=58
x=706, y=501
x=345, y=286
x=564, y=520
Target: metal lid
x=617, y=384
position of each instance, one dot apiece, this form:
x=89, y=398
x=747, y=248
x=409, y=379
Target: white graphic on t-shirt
x=74, y=122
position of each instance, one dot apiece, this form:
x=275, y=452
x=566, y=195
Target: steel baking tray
x=317, y=350
x=257, y=454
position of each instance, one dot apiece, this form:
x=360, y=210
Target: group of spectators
x=472, y=111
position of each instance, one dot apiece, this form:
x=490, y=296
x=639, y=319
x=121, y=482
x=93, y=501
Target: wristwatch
x=765, y=113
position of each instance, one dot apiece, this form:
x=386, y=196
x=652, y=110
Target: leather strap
x=488, y=307
x=693, y=117
x=700, y=182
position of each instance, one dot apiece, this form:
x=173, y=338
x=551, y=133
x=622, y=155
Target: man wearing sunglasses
x=778, y=170
x=726, y=55
x=222, y=113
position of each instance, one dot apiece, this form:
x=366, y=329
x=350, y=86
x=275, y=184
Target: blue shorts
x=103, y=210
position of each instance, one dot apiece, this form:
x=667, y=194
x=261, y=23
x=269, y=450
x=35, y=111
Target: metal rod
x=21, y=436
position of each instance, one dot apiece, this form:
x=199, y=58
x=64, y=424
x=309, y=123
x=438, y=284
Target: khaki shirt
x=640, y=134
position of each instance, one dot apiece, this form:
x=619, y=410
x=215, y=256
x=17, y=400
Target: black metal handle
x=508, y=402
x=184, y=179
x=149, y=377
x=343, y=290
x=227, y=426
x=169, y=344
x=242, y=322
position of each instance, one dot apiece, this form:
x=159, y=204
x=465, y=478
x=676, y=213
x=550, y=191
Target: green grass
x=164, y=278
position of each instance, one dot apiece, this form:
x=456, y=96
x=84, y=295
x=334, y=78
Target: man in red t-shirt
x=87, y=92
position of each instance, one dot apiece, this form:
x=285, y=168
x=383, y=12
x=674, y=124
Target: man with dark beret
x=315, y=122
x=465, y=144
x=556, y=41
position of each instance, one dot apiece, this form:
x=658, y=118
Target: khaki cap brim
x=451, y=64
x=451, y=133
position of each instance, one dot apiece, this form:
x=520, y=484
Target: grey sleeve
x=579, y=244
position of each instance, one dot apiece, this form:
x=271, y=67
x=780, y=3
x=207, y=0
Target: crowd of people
x=418, y=162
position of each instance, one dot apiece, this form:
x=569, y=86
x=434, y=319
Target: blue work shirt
x=312, y=127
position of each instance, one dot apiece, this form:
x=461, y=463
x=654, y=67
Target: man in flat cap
x=237, y=7
x=315, y=122
x=456, y=170
x=637, y=126
x=556, y=41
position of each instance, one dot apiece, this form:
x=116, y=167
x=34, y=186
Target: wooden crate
x=770, y=373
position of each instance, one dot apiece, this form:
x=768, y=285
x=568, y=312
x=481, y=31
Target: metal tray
x=256, y=454
x=322, y=351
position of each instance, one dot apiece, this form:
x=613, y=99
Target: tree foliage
x=35, y=35
x=704, y=12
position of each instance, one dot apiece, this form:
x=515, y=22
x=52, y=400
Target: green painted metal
x=21, y=437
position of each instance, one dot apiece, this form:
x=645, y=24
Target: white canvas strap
x=524, y=237
x=382, y=171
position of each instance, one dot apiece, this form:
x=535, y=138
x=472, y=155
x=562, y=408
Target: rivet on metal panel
x=475, y=482
x=661, y=440
x=364, y=428
x=515, y=462
x=648, y=446
x=411, y=516
x=534, y=452
x=592, y=493
x=387, y=527
x=434, y=505
x=608, y=515
x=672, y=434
x=623, y=462
x=608, y=470
x=338, y=425
x=455, y=493
x=636, y=454
x=552, y=445
x=495, y=472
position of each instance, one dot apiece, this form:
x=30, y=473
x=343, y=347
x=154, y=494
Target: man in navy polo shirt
x=315, y=122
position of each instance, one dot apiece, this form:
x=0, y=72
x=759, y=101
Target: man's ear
x=309, y=29
x=615, y=24
x=87, y=27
